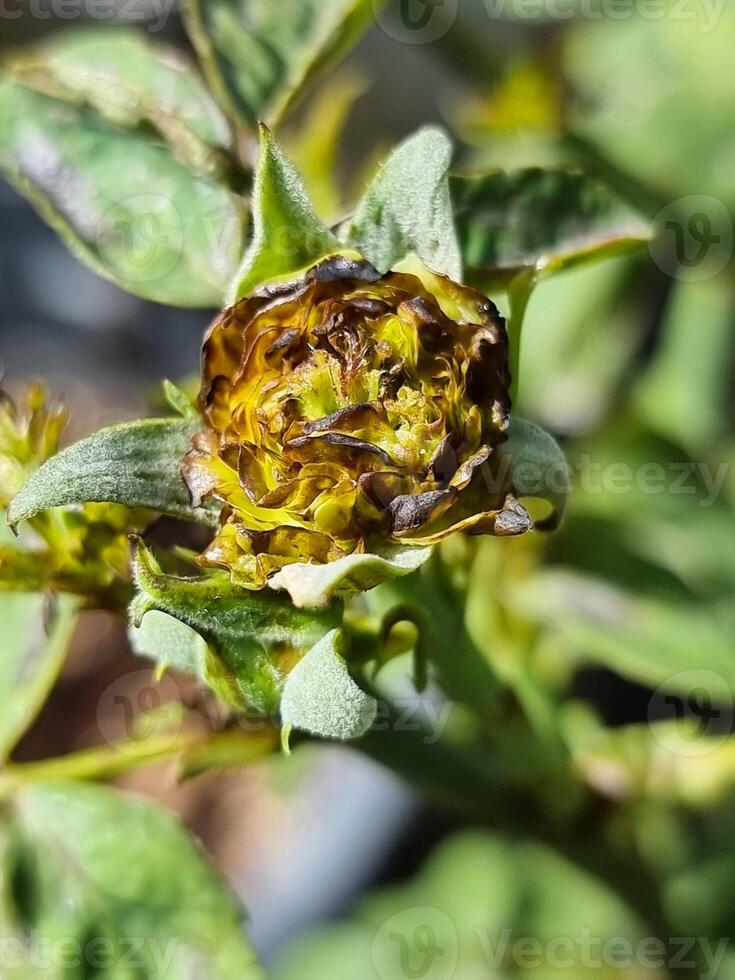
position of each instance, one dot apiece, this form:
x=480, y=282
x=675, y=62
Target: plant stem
x=196, y=751
x=519, y=294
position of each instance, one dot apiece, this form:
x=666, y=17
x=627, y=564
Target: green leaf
x=121, y=883
x=685, y=392
x=131, y=82
x=122, y=152
x=671, y=760
x=537, y=468
x=287, y=234
x=170, y=643
x=407, y=209
x=581, y=334
x=260, y=57
x=679, y=63
x=538, y=220
x=646, y=638
x=321, y=698
x=179, y=401
x=253, y=637
x=36, y=631
x=315, y=586
x=317, y=143
x=134, y=463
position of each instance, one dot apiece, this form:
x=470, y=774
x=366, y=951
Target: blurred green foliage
x=592, y=671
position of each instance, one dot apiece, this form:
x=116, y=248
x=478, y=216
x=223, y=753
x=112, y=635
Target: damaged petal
x=345, y=405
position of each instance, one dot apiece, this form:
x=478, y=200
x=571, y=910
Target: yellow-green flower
x=345, y=406
x=84, y=549
x=29, y=435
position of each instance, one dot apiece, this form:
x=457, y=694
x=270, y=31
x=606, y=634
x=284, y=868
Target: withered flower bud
x=346, y=406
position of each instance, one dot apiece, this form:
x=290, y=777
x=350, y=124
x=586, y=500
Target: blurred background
x=629, y=362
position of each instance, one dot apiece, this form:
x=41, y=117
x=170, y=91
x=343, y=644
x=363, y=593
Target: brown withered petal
x=345, y=405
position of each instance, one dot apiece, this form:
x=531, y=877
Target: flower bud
x=346, y=407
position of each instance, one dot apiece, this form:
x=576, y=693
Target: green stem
x=462, y=672
x=519, y=294
x=196, y=751
x=101, y=762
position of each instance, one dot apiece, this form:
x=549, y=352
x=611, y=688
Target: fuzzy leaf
x=540, y=220
x=118, y=879
x=537, y=468
x=287, y=234
x=315, y=586
x=260, y=56
x=407, y=208
x=170, y=643
x=121, y=149
x=131, y=81
x=253, y=637
x=321, y=698
x=134, y=463
x=35, y=636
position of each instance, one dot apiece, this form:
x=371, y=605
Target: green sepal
x=315, y=586
x=177, y=399
x=287, y=234
x=408, y=209
x=170, y=643
x=537, y=468
x=321, y=698
x=253, y=638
